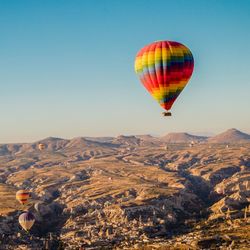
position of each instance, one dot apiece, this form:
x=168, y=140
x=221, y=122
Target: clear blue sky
x=67, y=67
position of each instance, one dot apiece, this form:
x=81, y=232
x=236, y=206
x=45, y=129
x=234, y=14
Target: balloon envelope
x=164, y=68
x=26, y=220
x=22, y=196
x=41, y=146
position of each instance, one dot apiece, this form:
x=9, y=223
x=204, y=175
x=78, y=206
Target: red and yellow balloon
x=23, y=196
x=164, y=68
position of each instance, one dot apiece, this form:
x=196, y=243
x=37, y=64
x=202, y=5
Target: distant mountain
x=149, y=140
x=182, y=138
x=127, y=140
x=146, y=137
x=230, y=136
x=51, y=143
x=82, y=142
x=6, y=149
x=100, y=139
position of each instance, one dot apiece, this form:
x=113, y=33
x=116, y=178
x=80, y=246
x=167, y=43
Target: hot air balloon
x=22, y=196
x=164, y=68
x=26, y=220
x=41, y=146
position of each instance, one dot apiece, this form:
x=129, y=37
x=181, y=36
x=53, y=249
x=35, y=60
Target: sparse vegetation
x=129, y=193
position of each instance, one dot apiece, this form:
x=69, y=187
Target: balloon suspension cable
x=168, y=113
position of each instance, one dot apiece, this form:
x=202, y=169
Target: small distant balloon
x=41, y=146
x=23, y=196
x=26, y=220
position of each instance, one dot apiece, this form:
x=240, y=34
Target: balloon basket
x=167, y=113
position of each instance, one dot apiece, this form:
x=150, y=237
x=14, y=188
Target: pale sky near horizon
x=67, y=67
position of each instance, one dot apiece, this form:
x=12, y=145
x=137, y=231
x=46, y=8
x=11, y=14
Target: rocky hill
x=128, y=192
x=182, y=138
x=230, y=136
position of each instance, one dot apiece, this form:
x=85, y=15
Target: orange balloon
x=41, y=146
x=22, y=196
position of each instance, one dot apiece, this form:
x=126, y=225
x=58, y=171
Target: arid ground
x=129, y=192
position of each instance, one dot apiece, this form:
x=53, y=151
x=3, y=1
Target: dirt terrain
x=129, y=192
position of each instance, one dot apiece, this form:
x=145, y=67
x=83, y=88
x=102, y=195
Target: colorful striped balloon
x=26, y=220
x=164, y=68
x=22, y=196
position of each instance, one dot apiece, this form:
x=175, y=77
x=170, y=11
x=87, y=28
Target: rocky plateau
x=178, y=191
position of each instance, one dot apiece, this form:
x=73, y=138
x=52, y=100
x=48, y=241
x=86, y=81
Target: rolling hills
x=129, y=192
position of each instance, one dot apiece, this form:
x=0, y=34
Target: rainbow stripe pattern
x=164, y=68
x=22, y=196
